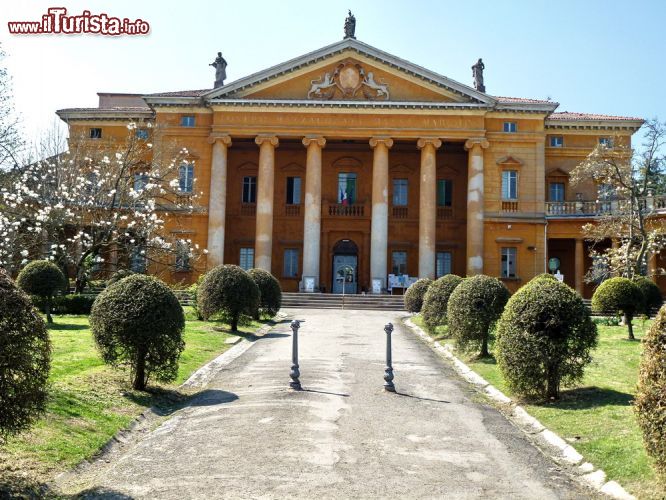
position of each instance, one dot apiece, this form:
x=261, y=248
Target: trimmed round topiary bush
x=43, y=279
x=619, y=296
x=227, y=291
x=138, y=322
x=651, y=294
x=415, y=293
x=544, y=276
x=25, y=358
x=270, y=293
x=118, y=275
x=436, y=300
x=473, y=308
x=650, y=404
x=544, y=338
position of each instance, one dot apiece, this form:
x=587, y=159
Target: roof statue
x=477, y=73
x=220, y=66
x=350, y=26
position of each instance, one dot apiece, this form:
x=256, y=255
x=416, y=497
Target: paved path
x=249, y=436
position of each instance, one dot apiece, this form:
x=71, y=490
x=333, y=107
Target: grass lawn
x=90, y=402
x=596, y=417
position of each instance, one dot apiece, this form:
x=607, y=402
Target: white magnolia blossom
x=80, y=203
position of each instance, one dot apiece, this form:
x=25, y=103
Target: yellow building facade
x=348, y=164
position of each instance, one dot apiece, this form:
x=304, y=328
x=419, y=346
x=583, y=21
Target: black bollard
x=295, y=373
x=388, y=373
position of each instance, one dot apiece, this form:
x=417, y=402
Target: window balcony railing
x=399, y=212
x=292, y=210
x=583, y=208
x=249, y=209
x=340, y=210
x=444, y=213
x=509, y=206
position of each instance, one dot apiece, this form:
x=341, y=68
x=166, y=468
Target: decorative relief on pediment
x=348, y=81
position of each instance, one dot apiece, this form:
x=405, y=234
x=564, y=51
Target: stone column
x=217, y=200
x=428, y=206
x=312, y=218
x=579, y=267
x=475, y=147
x=379, y=223
x=263, y=239
x=652, y=267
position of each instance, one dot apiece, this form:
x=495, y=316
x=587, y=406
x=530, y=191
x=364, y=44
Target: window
x=249, y=189
x=290, y=268
x=182, y=256
x=140, y=181
x=346, y=188
x=293, y=190
x=444, y=192
x=510, y=127
x=606, y=142
x=247, y=258
x=95, y=133
x=556, y=141
x=509, y=185
x=556, y=190
x=186, y=178
x=138, y=260
x=400, y=192
x=142, y=133
x=442, y=264
x=399, y=263
x=187, y=121
x=508, y=268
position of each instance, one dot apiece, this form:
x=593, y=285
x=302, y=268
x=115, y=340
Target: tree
x=11, y=143
x=414, y=294
x=619, y=296
x=25, y=358
x=270, y=293
x=44, y=279
x=627, y=180
x=544, y=338
x=138, y=322
x=652, y=298
x=436, y=300
x=650, y=404
x=99, y=200
x=473, y=308
x=227, y=291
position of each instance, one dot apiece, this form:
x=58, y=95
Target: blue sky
x=590, y=56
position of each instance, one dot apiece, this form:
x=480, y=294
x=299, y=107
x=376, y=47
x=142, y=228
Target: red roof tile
x=569, y=116
x=509, y=100
x=181, y=93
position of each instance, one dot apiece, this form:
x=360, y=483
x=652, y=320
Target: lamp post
x=295, y=373
x=388, y=372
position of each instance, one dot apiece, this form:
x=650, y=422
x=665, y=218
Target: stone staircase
x=339, y=301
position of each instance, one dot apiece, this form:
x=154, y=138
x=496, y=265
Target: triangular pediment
x=350, y=70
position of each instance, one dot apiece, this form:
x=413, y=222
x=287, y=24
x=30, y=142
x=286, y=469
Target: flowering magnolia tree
x=628, y=180
x=98, y=201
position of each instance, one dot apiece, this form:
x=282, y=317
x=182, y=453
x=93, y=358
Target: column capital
x=314, y=139
x=223, y=138
x=424, y=141
x=476, y=141
x=387, y=141
x=272, y=139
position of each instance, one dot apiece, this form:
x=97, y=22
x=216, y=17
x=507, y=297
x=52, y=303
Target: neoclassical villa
x=350, y=166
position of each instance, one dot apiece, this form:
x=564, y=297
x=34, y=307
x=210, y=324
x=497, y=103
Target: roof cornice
x=67, y=115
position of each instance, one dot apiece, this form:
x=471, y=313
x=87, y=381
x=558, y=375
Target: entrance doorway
x=345, y=267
